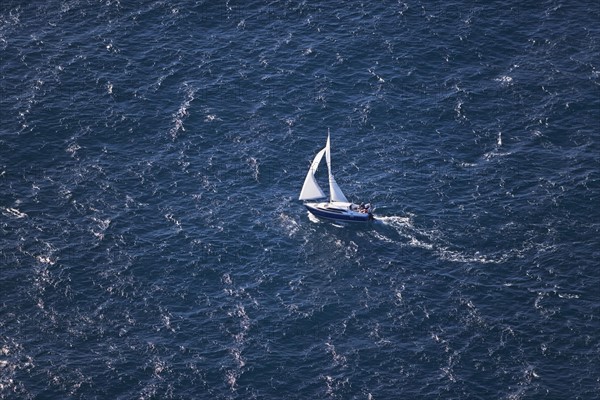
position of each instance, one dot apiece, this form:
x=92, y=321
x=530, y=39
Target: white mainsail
x=311, y=189
x=335, y=193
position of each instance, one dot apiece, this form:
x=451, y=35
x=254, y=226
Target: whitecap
x=45, y=259
x=226, y=279
x=492, y=154
x=568, y=296
x=211, y=118
x=102, y=223
x=13, y=212
x=237, y=356
x=338, y=359
x=182, y=113
x=159, y=367
x=458, y=109
x=166, y=320
x=504, y=80
x=171, y=218
x=231, y=378
x=379, y=78
x=253, y=163
x=73, y=148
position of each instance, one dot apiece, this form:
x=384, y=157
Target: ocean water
x=153, y=247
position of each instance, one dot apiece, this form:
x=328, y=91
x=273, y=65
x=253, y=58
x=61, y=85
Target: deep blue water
x=153, y=247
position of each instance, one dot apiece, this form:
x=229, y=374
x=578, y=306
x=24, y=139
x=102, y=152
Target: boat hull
x=336, y=213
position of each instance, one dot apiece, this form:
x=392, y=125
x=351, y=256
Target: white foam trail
x=432, y=240
x=395, y=220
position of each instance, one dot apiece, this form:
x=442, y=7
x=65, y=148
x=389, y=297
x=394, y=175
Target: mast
x=335, y=193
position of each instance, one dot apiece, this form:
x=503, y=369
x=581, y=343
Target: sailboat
x=338, y=207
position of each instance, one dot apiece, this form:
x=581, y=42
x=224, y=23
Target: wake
x=433, y=240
